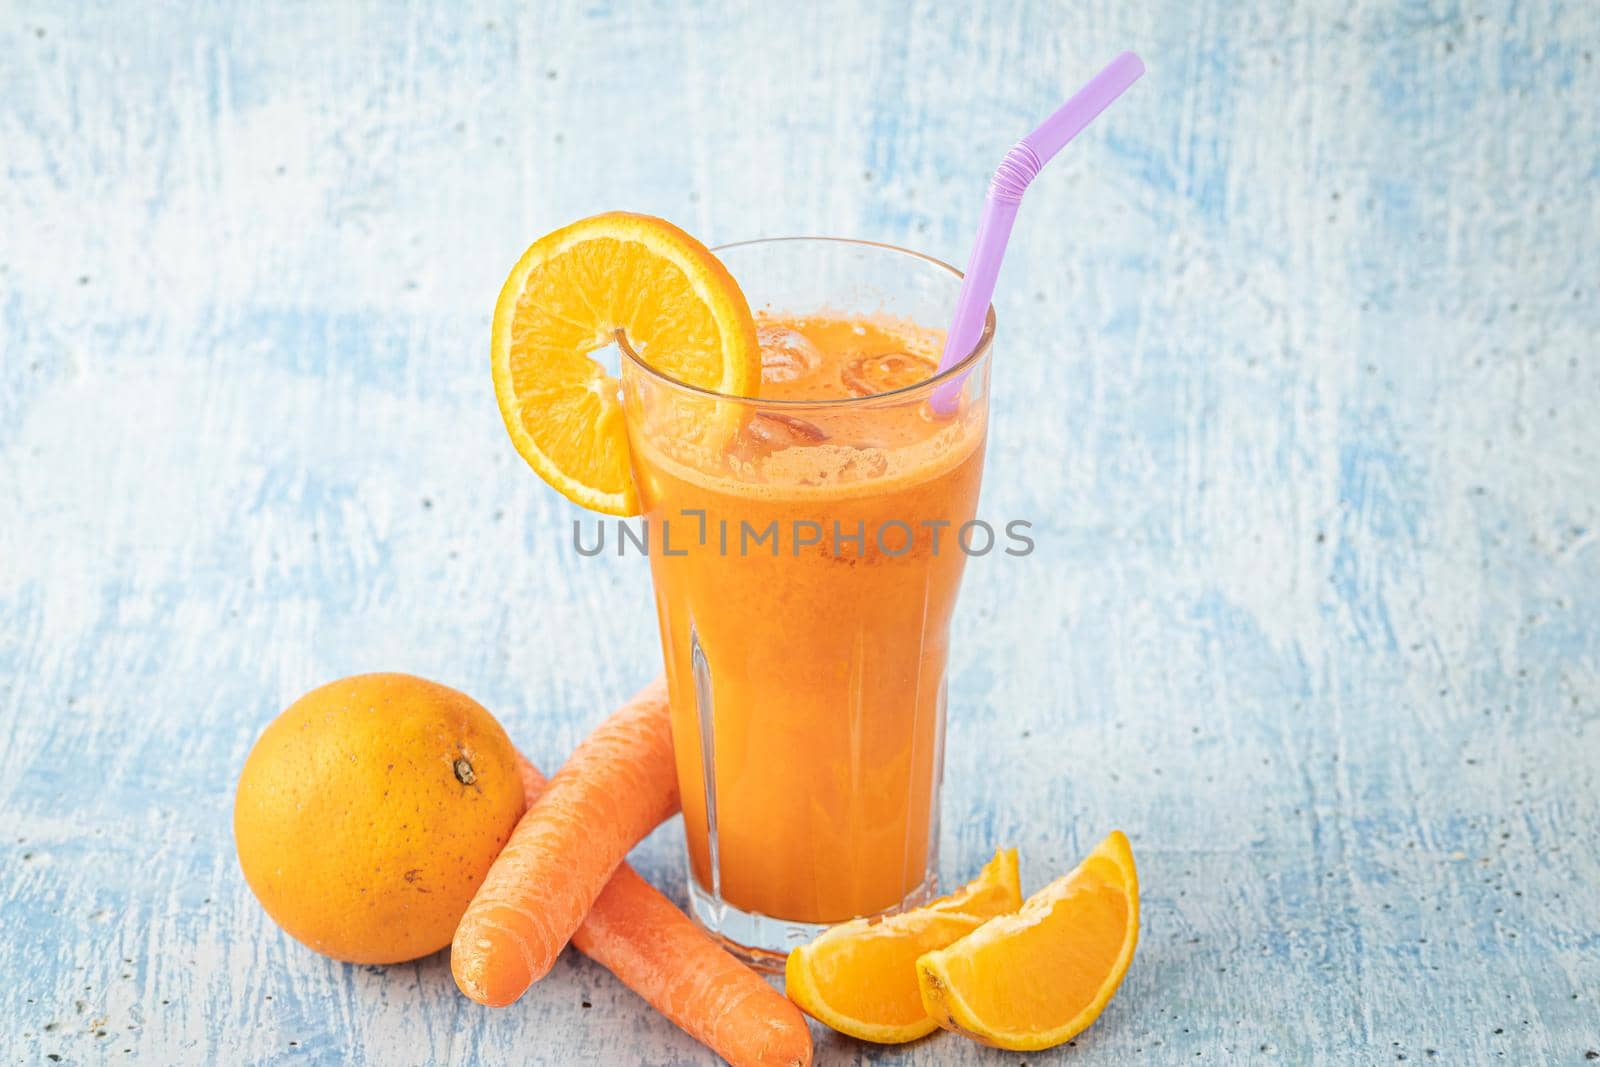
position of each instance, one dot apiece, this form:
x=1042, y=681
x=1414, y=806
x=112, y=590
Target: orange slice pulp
x=568, y=296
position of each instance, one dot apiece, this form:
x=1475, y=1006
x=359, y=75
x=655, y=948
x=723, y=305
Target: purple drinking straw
x=1020, y=166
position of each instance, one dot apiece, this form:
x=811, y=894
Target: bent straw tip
x=1016, y=171
x=1022, y=163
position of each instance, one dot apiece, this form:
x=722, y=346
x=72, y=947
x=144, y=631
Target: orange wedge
x=568, y=295
x=1034, y=979
x=860, y=977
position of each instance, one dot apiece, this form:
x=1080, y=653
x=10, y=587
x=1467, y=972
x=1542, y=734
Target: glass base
x=764, y=942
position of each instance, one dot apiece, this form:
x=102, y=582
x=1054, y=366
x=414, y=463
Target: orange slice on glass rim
x=1037, y=978
x=568, y=296
x=860, y=977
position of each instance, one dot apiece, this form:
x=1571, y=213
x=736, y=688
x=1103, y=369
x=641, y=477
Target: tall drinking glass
x=807, y=546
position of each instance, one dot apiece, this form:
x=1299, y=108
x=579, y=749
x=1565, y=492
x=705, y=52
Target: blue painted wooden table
x=1297, y=380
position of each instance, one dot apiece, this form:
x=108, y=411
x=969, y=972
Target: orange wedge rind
x=860, y=977
x=1034, y=979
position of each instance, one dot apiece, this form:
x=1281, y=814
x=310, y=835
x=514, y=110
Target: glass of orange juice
x=806, y=546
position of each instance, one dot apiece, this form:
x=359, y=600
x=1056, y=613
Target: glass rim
x=965, y=363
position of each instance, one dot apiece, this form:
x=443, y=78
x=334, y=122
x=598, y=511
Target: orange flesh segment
x=860, y=977
x=1037, y=978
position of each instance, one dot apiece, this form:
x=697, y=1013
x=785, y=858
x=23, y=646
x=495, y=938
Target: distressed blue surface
x=1297, y=381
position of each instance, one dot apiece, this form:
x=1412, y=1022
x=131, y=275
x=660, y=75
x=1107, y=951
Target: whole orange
x=369, y=812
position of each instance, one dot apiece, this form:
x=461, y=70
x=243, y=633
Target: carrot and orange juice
x=806, y=568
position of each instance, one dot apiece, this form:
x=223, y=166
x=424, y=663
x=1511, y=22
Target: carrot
x=658, y=952
x=641, y=937
x=617, y=786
